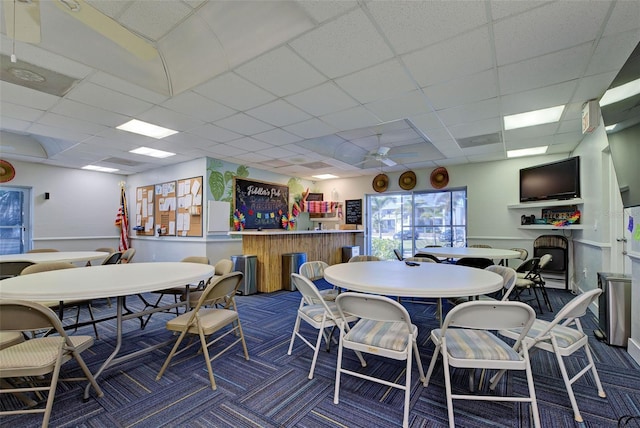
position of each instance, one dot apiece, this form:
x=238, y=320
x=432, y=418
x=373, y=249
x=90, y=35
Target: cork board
x=165, y=208
x=144, y=214
x=189, y=202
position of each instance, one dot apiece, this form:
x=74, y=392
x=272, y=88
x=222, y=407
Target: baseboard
x=633, y=348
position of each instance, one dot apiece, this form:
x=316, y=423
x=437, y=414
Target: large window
x=409, y=221
x=14, y=215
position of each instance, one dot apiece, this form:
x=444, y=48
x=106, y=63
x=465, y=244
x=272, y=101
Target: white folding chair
x=314, y=271
x=558, y=336
x=466, y=341
x=385, y=330
x=318, y=313
x=509, y=277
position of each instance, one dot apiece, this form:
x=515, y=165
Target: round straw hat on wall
x=439, y=177
x=7, y=171
x=380, y=183
x=407, y=180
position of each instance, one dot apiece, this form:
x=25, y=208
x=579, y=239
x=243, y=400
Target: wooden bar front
x=269, y=246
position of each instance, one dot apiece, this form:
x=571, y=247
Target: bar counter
x=270, y=244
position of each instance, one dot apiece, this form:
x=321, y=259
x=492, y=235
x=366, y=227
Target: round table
x=54, y=256
x=462, y=252
x=395, y=278
x=120, y=280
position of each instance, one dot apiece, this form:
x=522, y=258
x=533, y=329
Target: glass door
x=15, y=230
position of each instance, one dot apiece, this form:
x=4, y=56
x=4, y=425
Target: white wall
x=82, y=208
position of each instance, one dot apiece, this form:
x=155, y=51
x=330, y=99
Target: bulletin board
x=165, y=208
x=144, y=225
x=263, y=204
x=189, y=211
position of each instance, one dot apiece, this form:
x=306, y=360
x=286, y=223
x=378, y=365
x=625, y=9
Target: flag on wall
x=122, y=220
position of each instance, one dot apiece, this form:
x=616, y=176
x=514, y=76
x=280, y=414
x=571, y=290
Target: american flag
x=122, y=220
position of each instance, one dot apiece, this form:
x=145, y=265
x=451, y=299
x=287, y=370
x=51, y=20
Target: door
x=15, y=230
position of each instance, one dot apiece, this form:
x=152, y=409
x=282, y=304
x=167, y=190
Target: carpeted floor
x=272, y=389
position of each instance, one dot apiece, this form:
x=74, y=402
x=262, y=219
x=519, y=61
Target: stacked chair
x=530, y=279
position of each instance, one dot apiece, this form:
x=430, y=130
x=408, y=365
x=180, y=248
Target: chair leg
x=532, y=391
x=296, y=328
x=336, y=388
x=447, y=384
x=205, y=351
x=316, y=350
x=432, y=364
x=171, y=354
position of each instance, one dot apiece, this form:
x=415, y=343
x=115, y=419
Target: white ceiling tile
x=466, y=54
x=405, y=105
x=544, y=70
x=234, y=91
x=243, y=124
x=593, y=87
x=625, y=17
x=549, y=96
x=612, y=52
x=281, y=72
x=170, y=119
x=215, y=133
x=378, y=82
x=570, y=126
x=476, y=87
x=275, y=152
x=277, y=137
x=58, y=133
x=550, y=28
x=12, y=124
x=344, y=45
x=322, y=10
x=27, y=97
x=504, y=8
x=481, y=127
x=411, y=25
x=124, y=87
x=154, y=19
x=186, y=140
x=531, y=132
x=353, y=118
x=226, y=150
x=89, y=113
x=192, y=104
x=71, y=124
x=251, y=144
x=278, y=113
x=471, y=112
x=312, y=128
x=322, y=99
x=16, y=111
x=107, y=99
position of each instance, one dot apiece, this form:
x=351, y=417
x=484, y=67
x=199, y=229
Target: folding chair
x=39, y=356
x=385, y=330
x=558, y=336
x=205, y=321
x=466, y=341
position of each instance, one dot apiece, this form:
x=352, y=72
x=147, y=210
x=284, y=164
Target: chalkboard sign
x=263, y=204
x=353, y=211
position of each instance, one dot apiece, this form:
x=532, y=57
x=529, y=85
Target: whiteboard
x=218, y=216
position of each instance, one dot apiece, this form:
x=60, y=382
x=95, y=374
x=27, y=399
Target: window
x=14, y=230
x=408, y=221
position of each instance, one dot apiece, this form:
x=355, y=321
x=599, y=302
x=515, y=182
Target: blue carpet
x=272, y=389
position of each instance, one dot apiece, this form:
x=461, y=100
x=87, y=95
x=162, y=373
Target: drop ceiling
x=306, y=87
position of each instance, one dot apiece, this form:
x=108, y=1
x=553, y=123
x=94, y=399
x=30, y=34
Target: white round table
x=395, y=278
x=462, y=252
x=54, y=256
x=120, y=280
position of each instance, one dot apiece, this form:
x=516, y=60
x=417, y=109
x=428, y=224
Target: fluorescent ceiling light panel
x=99, y=168
x=324, y=176
x=531, y=118
x=147, y=129
x=620, y=93
x=527, y=152
x=151, y=152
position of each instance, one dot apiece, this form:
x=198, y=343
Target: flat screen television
x=625, y=153
x=554, y=180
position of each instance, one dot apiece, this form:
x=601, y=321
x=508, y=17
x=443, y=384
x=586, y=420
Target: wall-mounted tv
x=555, y=180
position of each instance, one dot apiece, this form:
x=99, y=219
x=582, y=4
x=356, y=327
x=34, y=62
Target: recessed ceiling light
x=531, y=118
x=325, y=176
x=151, y=152
x=147, y=129
x=621, y=92
x=99, y=168
x=527, y=152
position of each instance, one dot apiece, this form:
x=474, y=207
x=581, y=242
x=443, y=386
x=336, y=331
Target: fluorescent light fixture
x=99, y=168
x=621, y=92
x=147, y=129
x=531, y=118
x=151, y=152
x=325, y=176
x=610, y=127
x=527, y=152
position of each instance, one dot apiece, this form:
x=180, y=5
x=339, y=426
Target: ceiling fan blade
x=97, y=21
x=27, y=20
x=387, y=162
x=403, y=155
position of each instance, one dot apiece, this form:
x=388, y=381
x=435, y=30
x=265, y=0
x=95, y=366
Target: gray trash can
x=291, y=263
x=348, y=252
x=614, y=308
x=247, y=265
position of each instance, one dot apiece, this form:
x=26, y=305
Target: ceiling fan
x=24, y=15
x=381, y=154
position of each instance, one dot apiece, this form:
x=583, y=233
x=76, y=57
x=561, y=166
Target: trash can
x=614, y=308
x=247, y=265
x=291, y=263
x=348, y=252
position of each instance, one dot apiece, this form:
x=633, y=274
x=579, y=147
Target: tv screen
x=555, y=180
x=625, y=153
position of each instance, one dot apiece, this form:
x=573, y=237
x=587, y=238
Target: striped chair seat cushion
x=565, y=336
x=524, y=283
x=315, y=312
x=382, y=334
x=477, y=344
x=329, y=295
x=39, y=352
